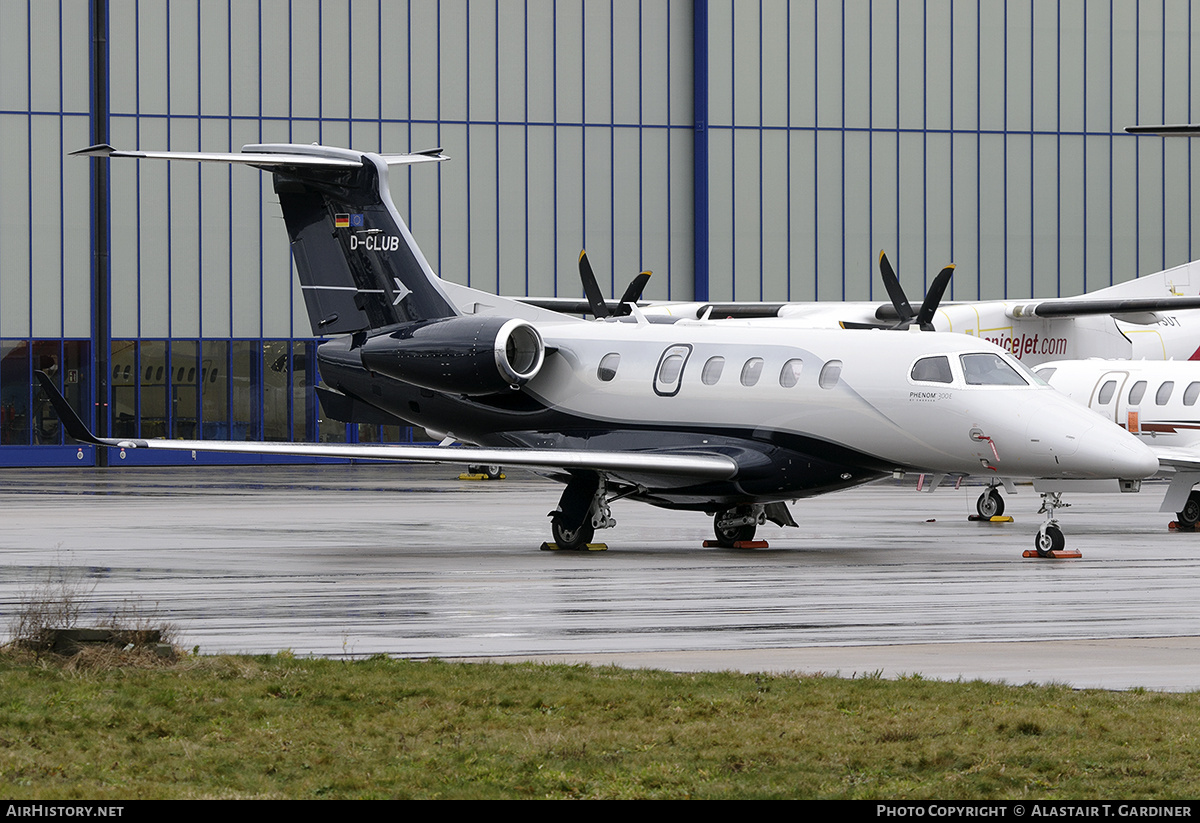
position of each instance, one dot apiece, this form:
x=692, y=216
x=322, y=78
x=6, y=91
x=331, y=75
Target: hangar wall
x=751, y=151
x=985, y=133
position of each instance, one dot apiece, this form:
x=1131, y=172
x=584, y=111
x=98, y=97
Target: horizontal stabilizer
x=269, y=154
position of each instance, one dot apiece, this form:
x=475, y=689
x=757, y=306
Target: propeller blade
x=892, y=283
x=933, y=298
x=633, y=293
x=591, y=288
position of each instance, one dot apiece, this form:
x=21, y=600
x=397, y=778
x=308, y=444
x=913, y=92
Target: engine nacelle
x=459, y=355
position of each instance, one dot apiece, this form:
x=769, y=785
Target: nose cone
x=1084, y=444
x=1110, y=451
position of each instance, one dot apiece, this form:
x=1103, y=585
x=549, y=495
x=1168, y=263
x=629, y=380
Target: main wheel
x=572, y=539
x=493, y=472
x=990, y=504
x=1050, y=541
x=735, y=534
x=1190, y=515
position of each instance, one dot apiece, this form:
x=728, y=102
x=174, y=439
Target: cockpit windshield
x=987, y=369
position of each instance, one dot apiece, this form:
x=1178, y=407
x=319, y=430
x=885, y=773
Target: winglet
x=75, y=426
x=99, y=150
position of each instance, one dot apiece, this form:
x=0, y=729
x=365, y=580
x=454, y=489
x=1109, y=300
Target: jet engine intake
x=459, y=355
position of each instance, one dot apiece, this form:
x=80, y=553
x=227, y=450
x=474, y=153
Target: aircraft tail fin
x=359, y=266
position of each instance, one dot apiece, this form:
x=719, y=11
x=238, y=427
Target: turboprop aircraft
x=731, y=418
x=1151, y=318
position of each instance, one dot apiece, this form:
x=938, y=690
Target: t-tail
x=359, y=267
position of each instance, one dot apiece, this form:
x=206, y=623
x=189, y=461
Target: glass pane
x=932, y=370
x=214, y=389
x=1106, y=392
x=153, y=396
x=1164, y=393
x=831, y=372
x=668, y=373
x=277, y=389
x=14, y=393
x=712, y=371
x=244, y=385
x=1191, y=393
x=1136, y=393
x=300, y=395
x=790, y=375
x=989, y=370
x=608, y=367
x=124, y=386
x=185, y=390
x=751, y=371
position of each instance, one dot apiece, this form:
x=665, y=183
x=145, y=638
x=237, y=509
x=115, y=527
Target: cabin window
x=1191, y=393
x=790, y=375
x=989, y=370
x=1137, y=392
x=670, y=370
x=1164, y=393
x=711, y=372
x=830, y=373
x=933, y=370
x=1106, y=392
x=752, y=371
x=608, y=367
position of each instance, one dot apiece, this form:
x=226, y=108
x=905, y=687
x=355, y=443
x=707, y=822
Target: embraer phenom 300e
x=732, y=419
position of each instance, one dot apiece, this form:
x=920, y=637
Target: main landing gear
x=582, y=509
x=990, y=504
x=737, y=525
x=1190, y=515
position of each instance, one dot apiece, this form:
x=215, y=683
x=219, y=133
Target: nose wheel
x=1049, y=541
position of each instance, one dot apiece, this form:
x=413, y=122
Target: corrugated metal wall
x=987, y=133
x=984, y=132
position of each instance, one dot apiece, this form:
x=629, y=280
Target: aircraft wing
x=686, y=466
x=1177, y=458
x=1069, y=307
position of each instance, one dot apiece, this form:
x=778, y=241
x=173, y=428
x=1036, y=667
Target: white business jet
x=1157, y=402
x=728, y=418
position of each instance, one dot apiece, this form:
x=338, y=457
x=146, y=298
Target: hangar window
x=608, y=367
x=711, y=372
x=1106, y=392
x=752, y=371
x=790, y=375
x=830, y=373
x=1191, y=393
x=1137, y=392
x=1164, y=393
x=933, y=370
